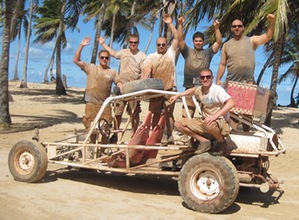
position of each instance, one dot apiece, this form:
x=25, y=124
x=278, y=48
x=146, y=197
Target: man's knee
x=178, y=125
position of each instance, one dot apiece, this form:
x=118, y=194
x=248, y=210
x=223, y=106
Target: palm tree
x=4, y=103
x=94, y=11
x=23, y=22
x=60, y=90
x=107, y=16
x=11, y=15
x=152, y=21
x=56, y=17
x=46, y=27
x=291, y=48
x=2, y=12
x=16, y=75
x=112, y=11
x=18, y=5
x=50, y=66
x=28, y=36
x=290, y=51
x=116, y=23
x=131, y=15
x=292, y=71
x=291, y=54
x=132, y=21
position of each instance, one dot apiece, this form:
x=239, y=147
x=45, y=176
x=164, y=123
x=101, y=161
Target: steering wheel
x=104, y=127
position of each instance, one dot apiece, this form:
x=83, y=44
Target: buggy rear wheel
x=208, y=184
x=27, y=162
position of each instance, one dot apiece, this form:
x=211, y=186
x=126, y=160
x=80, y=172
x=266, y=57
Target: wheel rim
x=25, y=162
x=205, y=184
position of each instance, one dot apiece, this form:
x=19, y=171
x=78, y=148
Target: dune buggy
x=207, y=183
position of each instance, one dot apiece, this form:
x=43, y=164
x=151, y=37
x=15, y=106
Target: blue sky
x=39, y=56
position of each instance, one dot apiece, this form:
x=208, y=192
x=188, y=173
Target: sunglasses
x=104, y=58
x=133, y=42
x=237, y=26
x=207, y=77
x=161, y=45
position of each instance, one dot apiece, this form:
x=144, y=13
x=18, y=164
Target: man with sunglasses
x=196, y=58
x=161, y=65
x=131, y=60
x=215, y=105
x=98, y=85
x=238, y=53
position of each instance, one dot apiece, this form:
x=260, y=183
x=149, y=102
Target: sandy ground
x=73, y=194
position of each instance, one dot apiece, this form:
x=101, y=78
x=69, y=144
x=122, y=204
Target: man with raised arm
x=131, y=60
x=98, y=85
x=196, y=58
x=161, y=65
x=238, y=53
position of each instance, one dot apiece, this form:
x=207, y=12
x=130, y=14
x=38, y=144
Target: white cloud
x=37, y=53
x=69, y=48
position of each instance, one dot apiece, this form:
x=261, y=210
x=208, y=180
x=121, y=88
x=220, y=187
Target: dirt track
x=73, y=194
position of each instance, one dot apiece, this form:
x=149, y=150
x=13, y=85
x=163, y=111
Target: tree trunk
x=16, y=76
x=131, y=23
x=5, y=119
x=100, y=19
x=60, y=90
x=153, y=21
x=292, y=100
x=24, y=77
x=170, y=10
x=15, y=16
x=161, y=22
x=46, y=80
x=112, y=31
x=273, y=95
x=51, y=63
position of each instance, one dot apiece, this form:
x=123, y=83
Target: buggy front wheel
x=208, y=184
x=27, y=162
